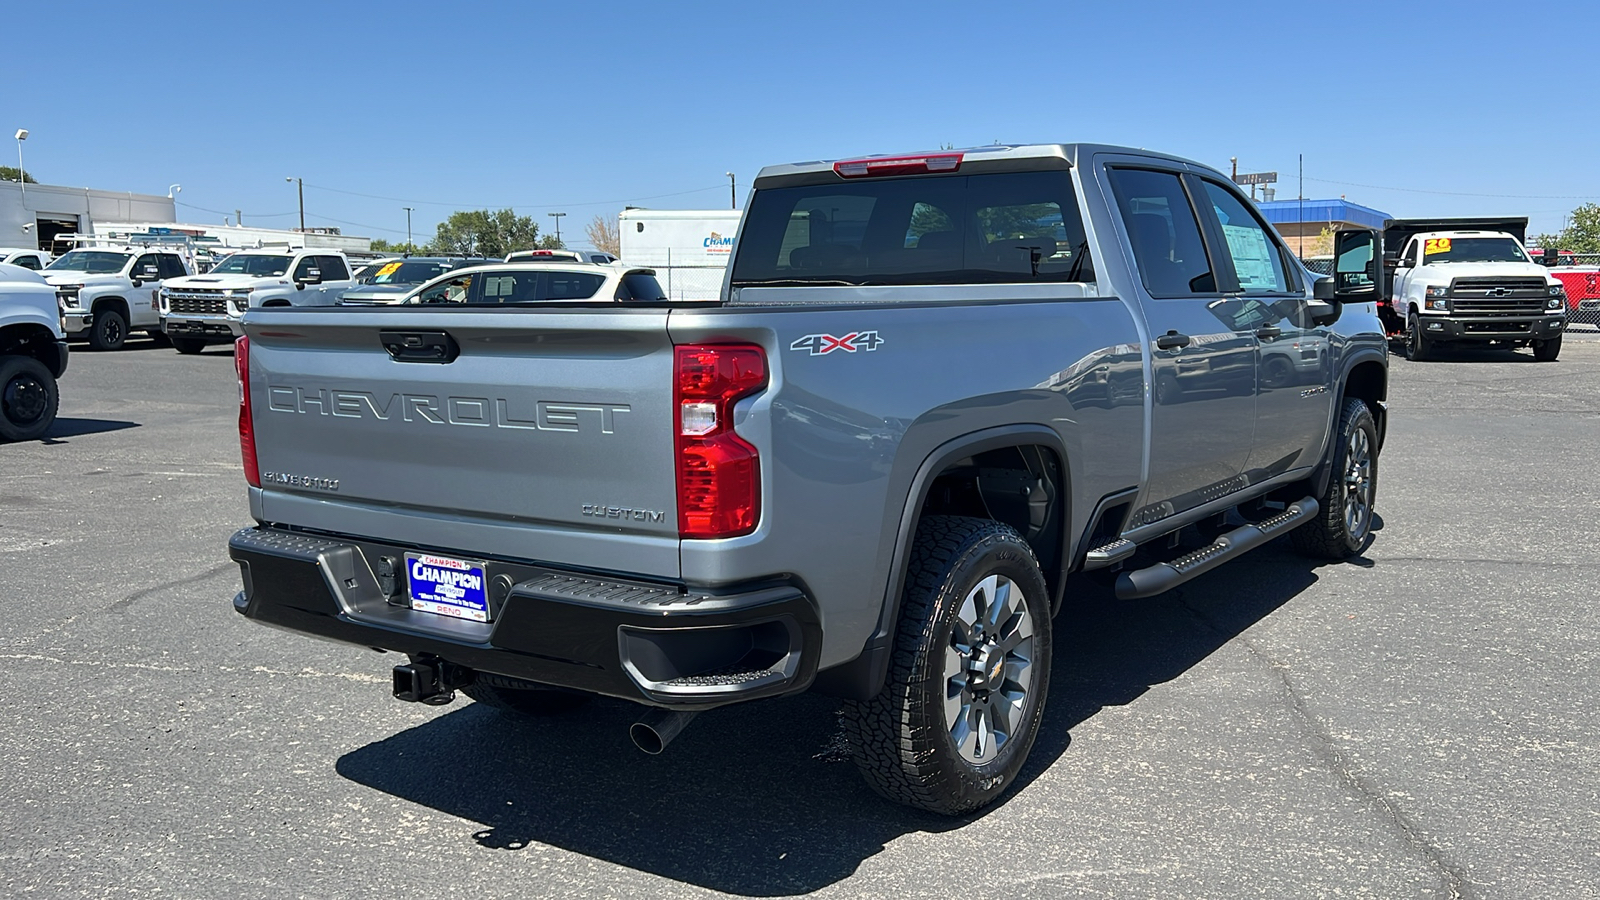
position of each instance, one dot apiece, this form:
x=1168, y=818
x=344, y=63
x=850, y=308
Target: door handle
x=1268, y=332
x=1172, y=340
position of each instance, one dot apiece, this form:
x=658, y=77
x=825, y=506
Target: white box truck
x=688, y=248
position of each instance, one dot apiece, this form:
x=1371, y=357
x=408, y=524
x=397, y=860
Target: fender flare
x=863, y=677
x=1324, y=470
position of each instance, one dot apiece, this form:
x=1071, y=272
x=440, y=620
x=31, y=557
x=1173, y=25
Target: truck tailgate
x=547, y=436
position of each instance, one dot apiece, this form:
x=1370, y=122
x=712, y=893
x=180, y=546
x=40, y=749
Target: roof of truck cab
x=1070, y=153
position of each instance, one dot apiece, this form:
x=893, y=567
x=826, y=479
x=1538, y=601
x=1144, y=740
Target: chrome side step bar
x=1165, y=576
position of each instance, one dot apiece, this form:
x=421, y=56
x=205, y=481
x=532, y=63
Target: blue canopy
x=1289, y=212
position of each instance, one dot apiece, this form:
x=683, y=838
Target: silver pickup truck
x=936, y=391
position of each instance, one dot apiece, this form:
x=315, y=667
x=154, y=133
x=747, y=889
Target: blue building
x=1303, y=220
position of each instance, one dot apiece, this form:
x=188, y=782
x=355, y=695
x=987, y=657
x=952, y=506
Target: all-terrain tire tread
x=1324, y=536
x=890, y=753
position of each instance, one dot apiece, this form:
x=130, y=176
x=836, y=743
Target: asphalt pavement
x=1418, y=722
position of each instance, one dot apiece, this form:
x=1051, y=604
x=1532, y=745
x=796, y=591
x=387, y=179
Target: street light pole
x=301, y=184
x=557, y=217
x=408, y=227
x=733, y=192
x=22, y=174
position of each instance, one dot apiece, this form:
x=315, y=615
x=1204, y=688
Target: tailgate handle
x=420, y=346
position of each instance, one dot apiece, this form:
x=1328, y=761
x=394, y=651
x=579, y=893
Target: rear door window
x=171, y=266
x=1255, y=258
x=1002, y=228
x=333, y=268
x=1164, y=233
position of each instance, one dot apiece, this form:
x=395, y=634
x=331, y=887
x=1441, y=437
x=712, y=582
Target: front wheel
x=1343, y=525
x=187, y=345
x=966, y=686
x=28, y=398
x=1418, y=346
x=1547, y=351
x=108, y=330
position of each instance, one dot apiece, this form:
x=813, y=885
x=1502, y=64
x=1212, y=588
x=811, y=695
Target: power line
x=460, y=204
x=1379, y=187
x=230, y=212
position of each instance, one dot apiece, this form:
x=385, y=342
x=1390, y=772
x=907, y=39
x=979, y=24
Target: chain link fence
x=701, y=282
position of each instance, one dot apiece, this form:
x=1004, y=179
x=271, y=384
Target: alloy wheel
x=988, y=669
x=1358, y=484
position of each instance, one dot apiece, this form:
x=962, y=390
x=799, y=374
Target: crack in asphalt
x=1451, y=877
x=123, y=604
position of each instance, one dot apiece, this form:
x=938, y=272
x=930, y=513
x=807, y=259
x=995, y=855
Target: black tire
x=903, y=740
x=187, y=345
x=28, y=399
x=1547, y=351
x=513, y=695
x=1342, y=528
x=108, y=330
x=1419, y=346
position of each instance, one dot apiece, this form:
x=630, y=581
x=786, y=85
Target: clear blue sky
x=1416, y=109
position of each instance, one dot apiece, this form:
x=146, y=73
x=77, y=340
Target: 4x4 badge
x=823, y=344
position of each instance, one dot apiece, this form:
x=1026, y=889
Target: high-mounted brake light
x=719, y=473
x=247, y=429
x=898, y=165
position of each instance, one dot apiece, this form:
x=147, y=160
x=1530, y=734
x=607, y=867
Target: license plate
x=447, y=587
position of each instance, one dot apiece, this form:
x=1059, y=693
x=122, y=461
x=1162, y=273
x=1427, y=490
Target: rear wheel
x=1343, y=525
x=514, y=695
x=1547, y=351
x=966, y=685
x=187, y=345
x=28, y=398
x=108, y=330
x=1418, y=345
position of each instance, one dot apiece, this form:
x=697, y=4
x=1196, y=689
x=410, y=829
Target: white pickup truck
x=106, y=292
x=32, y=354
x=204, y=309
x=1469, y=281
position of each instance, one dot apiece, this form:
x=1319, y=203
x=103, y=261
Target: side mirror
x=1356, y=274
x=312, y=276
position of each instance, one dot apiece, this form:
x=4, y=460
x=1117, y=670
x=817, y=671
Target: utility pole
x=1235, y=161
x=301, y=184
x=733, y=192
x=557, y=217
x=1302, y=217
x=408, y=227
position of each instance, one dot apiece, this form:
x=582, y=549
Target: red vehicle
x=1582, y=284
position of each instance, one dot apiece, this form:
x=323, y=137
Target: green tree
x=9, y=173
x=379, y=245
x=1582, y=234
x=486, y=233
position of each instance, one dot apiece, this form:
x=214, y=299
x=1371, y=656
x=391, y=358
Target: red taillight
x=898, y=165
x=247, y=430
x=719, y=473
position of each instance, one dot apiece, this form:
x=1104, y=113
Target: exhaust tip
x=646, y=738
x=656, y=730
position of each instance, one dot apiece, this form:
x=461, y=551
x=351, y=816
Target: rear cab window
x=1164, y=232
x=928, y=229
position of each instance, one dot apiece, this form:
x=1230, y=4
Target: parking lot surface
x=1420, y=722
